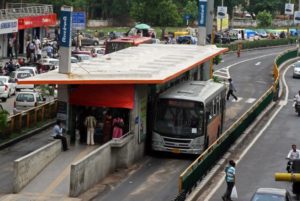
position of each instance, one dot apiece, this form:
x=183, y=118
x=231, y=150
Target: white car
x=52, y=61
x=82, y=57
x=17, y=75
x=296, y=71
x=26, y=100
x=31, y=69
x=10, y=85
x=3, y=93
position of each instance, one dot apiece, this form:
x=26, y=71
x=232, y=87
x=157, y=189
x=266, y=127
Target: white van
x=17, y=75
x=31, y=69
x=27, y=99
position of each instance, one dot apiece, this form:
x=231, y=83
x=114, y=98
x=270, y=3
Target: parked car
x=218, y=39
x=82, y=57
x=186, y=40
x=52, y=61
x=10, y=83
x=27, y=99
x=17, y=75
x=3, y=92
x=296, y=71
x=74, y=60
x=262, y=33
x=33, y=70
x=84, y=52
x=86, y=40
x=271, y=194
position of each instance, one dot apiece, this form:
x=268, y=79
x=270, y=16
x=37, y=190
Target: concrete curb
x=260, y=48
x=26, y=135
x=201, y=186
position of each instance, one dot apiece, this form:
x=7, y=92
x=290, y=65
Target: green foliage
x=161, y=13
x=191, y=9
x=256, y=6
x=3, y=119
x=260, y=43
x=264, y=19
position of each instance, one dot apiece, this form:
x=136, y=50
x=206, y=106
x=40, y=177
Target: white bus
x=189, y=117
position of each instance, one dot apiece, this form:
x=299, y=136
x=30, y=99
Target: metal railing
x=199, y=168
x=29, y=119
x=12, y=13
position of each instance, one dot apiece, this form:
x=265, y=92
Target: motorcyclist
x=293, y=154
x=297, y=99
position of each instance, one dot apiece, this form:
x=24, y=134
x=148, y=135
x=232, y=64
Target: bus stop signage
x=202, y=13
x=65, y=28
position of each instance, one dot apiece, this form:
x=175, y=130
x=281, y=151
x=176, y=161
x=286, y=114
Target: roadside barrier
x=29, y=119
x=200, y=167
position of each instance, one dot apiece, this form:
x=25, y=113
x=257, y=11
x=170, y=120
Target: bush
x=259, y=43
x=264, y=19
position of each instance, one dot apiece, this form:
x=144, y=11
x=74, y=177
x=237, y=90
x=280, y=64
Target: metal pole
x=221, y=26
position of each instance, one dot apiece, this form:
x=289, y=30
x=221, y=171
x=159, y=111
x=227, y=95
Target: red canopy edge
x=114, y=96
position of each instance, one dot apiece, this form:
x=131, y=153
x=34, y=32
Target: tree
x=256, y=6
x=161, y=13
x=3, y=119
x=264, y=18
x=191, y=9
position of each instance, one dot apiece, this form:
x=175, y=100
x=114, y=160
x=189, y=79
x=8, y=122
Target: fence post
x=28, y=120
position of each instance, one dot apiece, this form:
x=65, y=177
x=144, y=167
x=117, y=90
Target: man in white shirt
x=296, y=99
x=294, y=153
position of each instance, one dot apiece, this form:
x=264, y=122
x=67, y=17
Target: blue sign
x=65, y=28
x=78, y=20
x=202, y=13
x=187, y=17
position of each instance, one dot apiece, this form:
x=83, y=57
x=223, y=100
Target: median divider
x=29, y=166
x=206, y=161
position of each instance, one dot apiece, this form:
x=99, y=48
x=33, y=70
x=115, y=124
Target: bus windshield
x=179, y=118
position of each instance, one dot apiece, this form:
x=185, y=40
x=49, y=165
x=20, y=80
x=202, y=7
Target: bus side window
x=209, y=109
x=214, y=107
x=218, y=104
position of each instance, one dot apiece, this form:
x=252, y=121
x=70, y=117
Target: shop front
x=33, y=26
x=8, y=30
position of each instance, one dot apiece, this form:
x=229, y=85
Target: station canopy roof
x=143, y=64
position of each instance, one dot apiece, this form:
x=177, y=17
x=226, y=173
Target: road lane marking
x=250, y=100
x=218, y=185
x=258, y=63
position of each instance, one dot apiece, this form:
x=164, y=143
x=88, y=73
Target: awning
x=114, y=96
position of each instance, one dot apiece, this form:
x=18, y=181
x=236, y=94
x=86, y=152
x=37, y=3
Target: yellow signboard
x=225, y=23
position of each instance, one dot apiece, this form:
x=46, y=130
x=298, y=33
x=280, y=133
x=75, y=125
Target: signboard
x=289, y=9
x=224, y=22
x=202, y=13
x=297, y=17
x=36, y=21
x=78, y=20
x=221, y=12
x=65, y=28
x=8, y=26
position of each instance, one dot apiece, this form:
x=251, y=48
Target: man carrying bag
x=230, y=180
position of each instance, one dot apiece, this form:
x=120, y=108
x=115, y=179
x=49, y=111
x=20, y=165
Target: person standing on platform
x=107, y=126
x=118, y=124
x=90, y=123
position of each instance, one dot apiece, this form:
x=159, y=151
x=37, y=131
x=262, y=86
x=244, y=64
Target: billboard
x=221, y=12
x=289, y=9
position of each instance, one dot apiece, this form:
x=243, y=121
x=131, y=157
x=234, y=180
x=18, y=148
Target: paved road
x=267, y=156
x=157, y=179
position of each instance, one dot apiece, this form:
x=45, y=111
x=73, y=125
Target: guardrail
x=199, y=168
x=29, y=119
x=12, y=13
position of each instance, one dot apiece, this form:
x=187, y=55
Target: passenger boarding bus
x=189, y=117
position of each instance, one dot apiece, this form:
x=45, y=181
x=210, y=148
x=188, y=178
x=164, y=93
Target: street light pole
x=221, y=26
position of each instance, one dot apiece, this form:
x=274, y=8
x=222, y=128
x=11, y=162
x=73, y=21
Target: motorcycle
x=297, y=108
x=295, y=168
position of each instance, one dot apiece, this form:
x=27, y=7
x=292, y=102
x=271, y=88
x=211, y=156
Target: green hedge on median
x=259, y=43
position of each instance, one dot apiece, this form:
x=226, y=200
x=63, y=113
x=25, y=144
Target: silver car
x=271, y=194
x=296, y=71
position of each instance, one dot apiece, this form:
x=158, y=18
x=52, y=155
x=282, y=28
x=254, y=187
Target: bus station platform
x=53, y=182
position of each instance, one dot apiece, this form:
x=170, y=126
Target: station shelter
x=125, y=83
